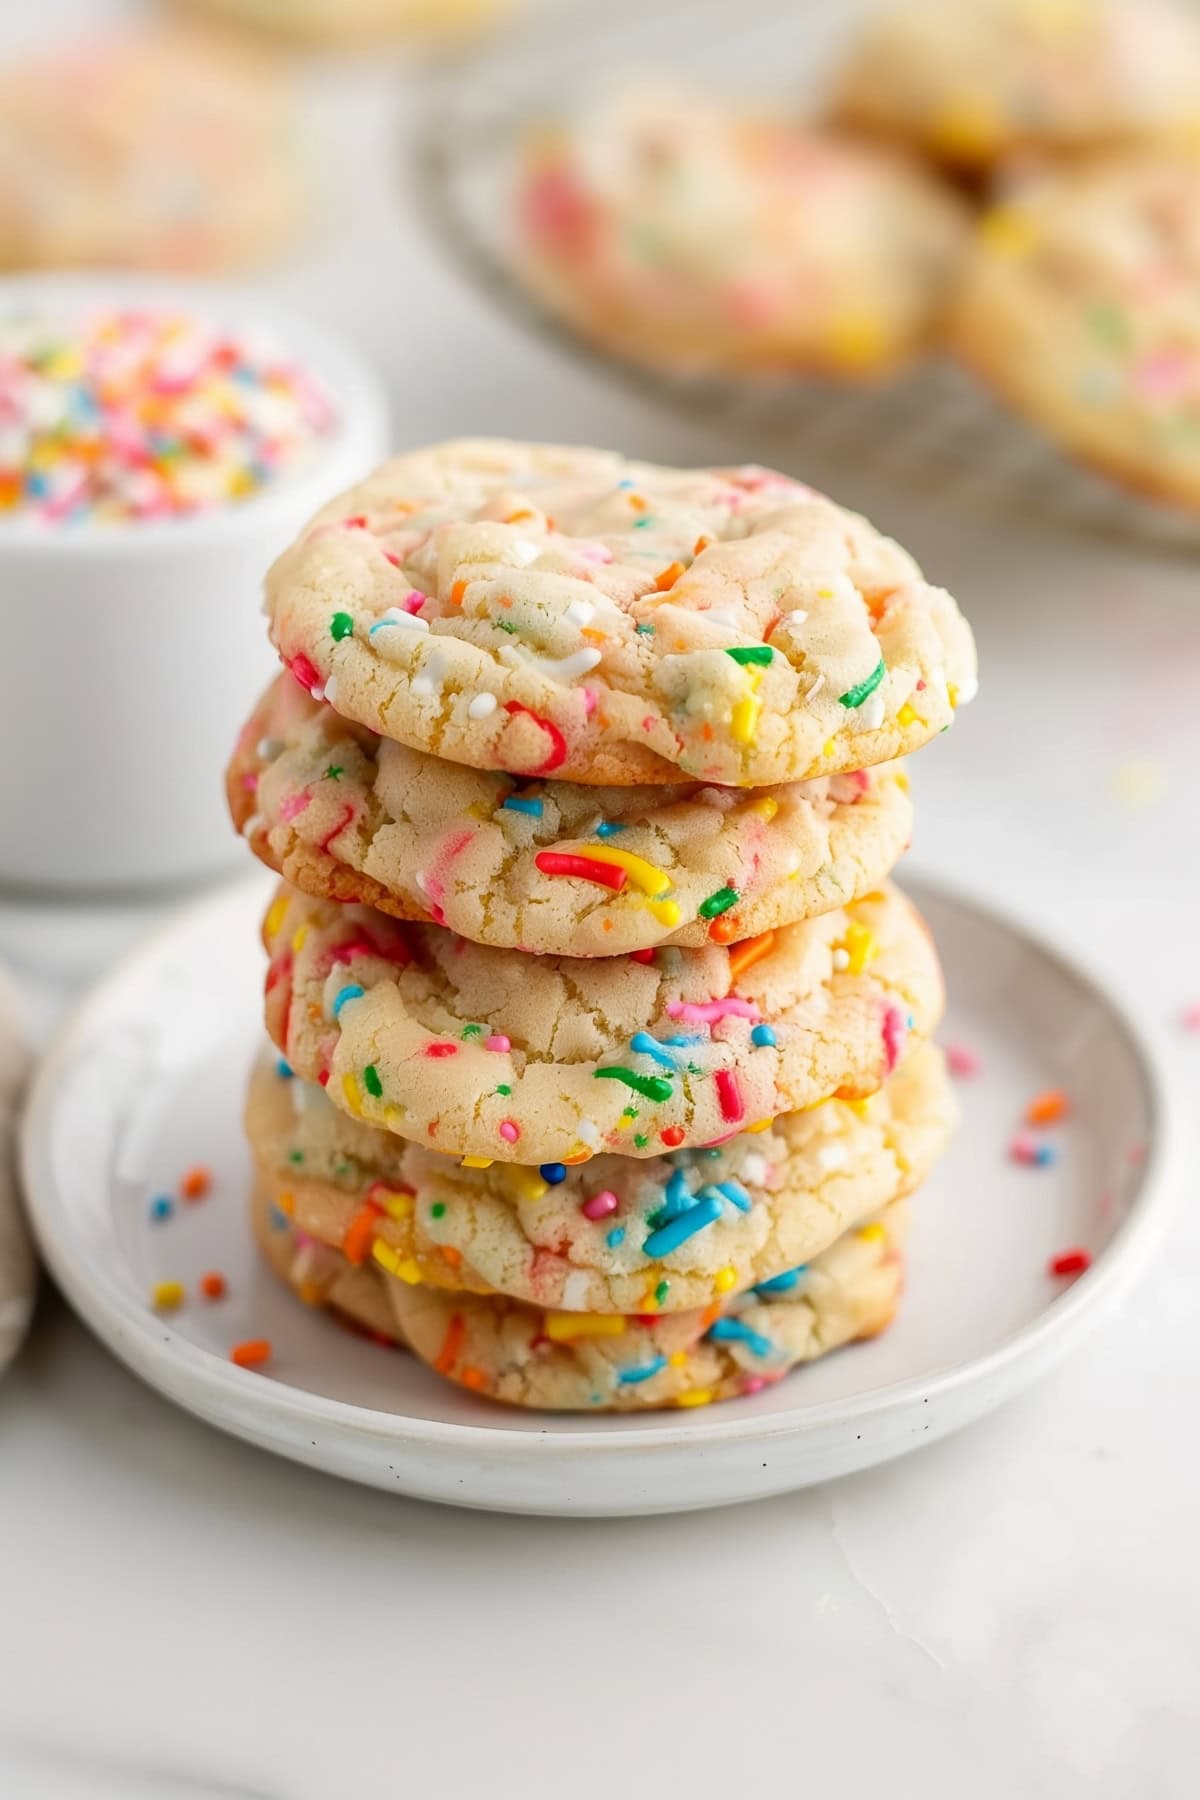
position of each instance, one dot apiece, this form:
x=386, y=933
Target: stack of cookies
x=602, y=1070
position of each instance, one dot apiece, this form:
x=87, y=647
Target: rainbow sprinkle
x=120, y=415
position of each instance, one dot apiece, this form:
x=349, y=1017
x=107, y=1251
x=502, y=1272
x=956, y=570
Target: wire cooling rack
x=932, y=430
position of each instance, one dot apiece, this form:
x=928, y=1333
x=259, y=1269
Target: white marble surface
x=1011, y=1614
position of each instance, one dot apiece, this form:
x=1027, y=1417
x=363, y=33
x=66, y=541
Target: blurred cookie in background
x=340, y=23
x=971, y=82
x=154, y=149
x=702, y=236
x=1081, y=306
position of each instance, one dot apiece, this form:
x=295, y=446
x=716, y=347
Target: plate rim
x=143, y=1340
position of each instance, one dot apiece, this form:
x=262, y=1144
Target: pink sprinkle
x=753, y=1384
x=357, y=523
x=591, y=701
x=292, y=805
x=895, y=1028
x=1191, y=1016
x=709, y=1011
x=1023, y=1149
x=733, y=1107
x=250, y=784
x=347, y=814
x=497, y=1041
x=305, y=674
x=414, y=601
x=962, y=1061
x=1162, y=376
x=510, y=1131
x=600, y=1205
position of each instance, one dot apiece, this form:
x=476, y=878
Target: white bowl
x=132, y=652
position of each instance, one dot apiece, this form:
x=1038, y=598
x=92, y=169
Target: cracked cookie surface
x=554, y=611
x=492, y=1053
x=346, y=815
x=614, y=1234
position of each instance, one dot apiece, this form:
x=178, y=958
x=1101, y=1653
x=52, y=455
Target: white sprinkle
x=720, y=799
x=565, y=668
x=482, y=706
x=268, y=748
x=871, y=712
x=430, y=680
x=253, y=825
x=420, y=880
x=967, y=690
x=396, y=615
x=525, y=550
x=421, y=685
x=580, y=612
x=841, y=958
x=755, y=1168
x=575, y=1291
x=589, y=1132
x=330, y=692
x=816, y=687
x=832, y=1156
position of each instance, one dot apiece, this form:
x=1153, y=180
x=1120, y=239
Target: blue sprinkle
x=644, y=1045
x=553, y=1173
x=645, y=630
x=607, y=828
x=735, y=1193
x=625, y=485
x=284, y=1070
x=343, y=997
x=782, y=1284
x=762, y=1034
x=679, y=1197
x=645, y=1371
x=515, y=804
x=1044, y=1156
x=733, y=1330
x=685, y=1037
x=162, y=1206
x=616, y=1236
x=278, y=1218
x=683, y=1226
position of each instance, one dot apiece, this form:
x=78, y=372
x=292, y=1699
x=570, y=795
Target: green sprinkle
x=438, y=1209
x=661, y=1291
x=641, y=1140
x=503, y=625
x=856, y=695
x=646, y=630
x=651, y=1087
x=371, y=1081
x=719, y=903
x=504, y=1089
x=333, y=772
x=630, y=1112
x=1109, y=326
x=341, y=626
x=295, y=1156
x=472, y=1030
x=761, y=654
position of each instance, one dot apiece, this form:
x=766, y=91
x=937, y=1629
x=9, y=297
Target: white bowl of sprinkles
x=160, y=442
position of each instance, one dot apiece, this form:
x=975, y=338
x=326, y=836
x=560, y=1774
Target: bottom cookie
x=579, y=1362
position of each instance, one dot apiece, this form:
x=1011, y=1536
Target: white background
x=1015, y=1613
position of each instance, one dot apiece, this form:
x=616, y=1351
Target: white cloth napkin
x=18, y=1269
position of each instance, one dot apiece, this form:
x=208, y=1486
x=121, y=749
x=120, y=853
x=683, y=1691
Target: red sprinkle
x=345, y=819
x=250, y=1353
x=558, y=752
x=304, y=671
x=1070, y=1262
x=212, y=1286
x=641, y=956
x=733, y=1107
x=441, y=1049
x=195, y=1182
x=672, y=1137
x=555, y=862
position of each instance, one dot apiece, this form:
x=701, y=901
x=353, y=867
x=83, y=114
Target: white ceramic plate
x=147, y=1080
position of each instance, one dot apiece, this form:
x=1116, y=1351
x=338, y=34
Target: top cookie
x=696, y=235
x=971, y=83
x=549, y=610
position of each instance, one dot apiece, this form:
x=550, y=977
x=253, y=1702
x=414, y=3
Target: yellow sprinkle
x=392, y=1115
x=860, y=1108
x=643, y=875
x=386, y=1257
x=1008, y=231
x=396, y=1206
x=276, y=915
x=725, y=1279
x=969, y=127
x=298, y=939
x=766, y=808
x=286, y=1203
x=526, y=1184
x=697, y=1397
x=168, y=1294
x=901, y=775
x=678, y=1359
x=311, y=1293
x=350, y=1089
x=857, y=338
x=744, y=720
x=561, y=1327
x=828, y=747
x=860, y=945
x=906, y=716
x=759, y=1125
x=871, y=1234
x=477, y=1162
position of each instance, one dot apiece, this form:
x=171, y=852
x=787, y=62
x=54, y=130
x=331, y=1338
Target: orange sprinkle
x=700, y=544
x=1047, y=1108
x=212, y=1286
x=196, y=1182
x=472, y=1377
x=725, y=929
x=451, y=1255
x=706, y=732
x=751, y=950
x=666, y=579
x=286, y=1203
x=639, y=501
x=457, y=592
x=250, y=1353
x=360, y=1233
x=452, y=1343
x=594, y=636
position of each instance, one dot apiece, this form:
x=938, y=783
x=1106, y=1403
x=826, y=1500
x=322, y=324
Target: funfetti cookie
x=154, y=149
x=1081, y=306
x=493, y=1053
x=529, y=1356
x=346, y=23
x=567, y=613
x=973, y=83
x=547, y=865
x=614, y=1234
x=693, y=234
